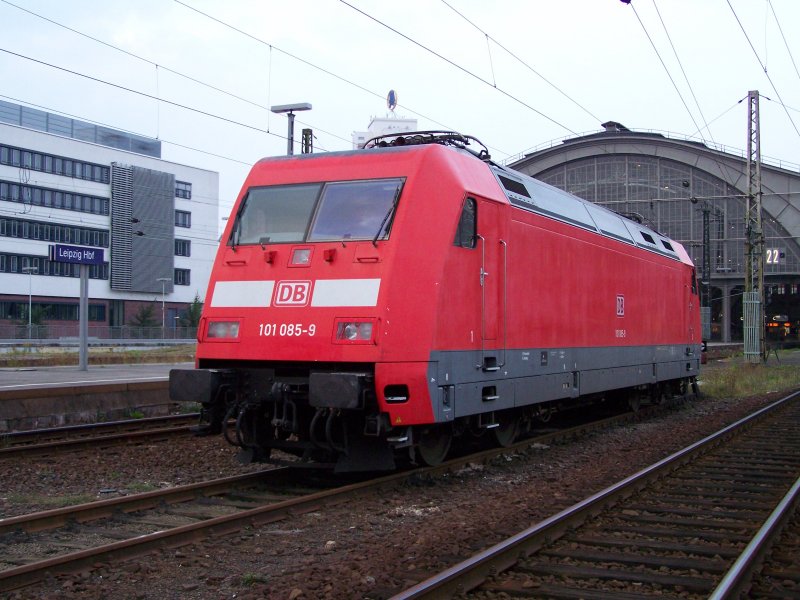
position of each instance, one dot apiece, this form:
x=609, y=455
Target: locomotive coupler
x=327, y=441
x=285, y=415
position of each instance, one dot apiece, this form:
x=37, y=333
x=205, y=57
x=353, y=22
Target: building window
x=31, y=194
x=183, y=247
x=55, y=311
x=183, y=190
x=48, y=163
x=182, y=277
x=40, y=230
x=183, y=218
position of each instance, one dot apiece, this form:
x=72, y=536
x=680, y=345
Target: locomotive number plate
x=286, y=329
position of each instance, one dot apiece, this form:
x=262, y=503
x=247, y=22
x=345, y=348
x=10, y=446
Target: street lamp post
x=163, y=281
x=705, y=270
x=290, y=109
x=30, y=271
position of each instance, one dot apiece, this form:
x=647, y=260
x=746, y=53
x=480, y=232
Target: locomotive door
x=492, y=277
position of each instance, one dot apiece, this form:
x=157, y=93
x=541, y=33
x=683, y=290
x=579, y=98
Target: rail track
x=74, y=538
x=780, y=575
x=695, y=525
x=78, y=437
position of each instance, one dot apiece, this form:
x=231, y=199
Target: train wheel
x=658, y=394
x=507, y=430
x=545, y=414
x=434, y=444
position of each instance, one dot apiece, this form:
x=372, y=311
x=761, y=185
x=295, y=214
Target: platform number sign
x=620, y=305
x=774, y=256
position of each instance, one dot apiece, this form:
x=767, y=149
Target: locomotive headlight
x=351, y=331
x=223, y=329
x=365, y=331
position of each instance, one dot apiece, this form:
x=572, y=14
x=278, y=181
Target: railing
x=775, y=162
x=67, y=333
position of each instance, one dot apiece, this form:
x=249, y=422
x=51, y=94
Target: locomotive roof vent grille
x=648, y=238
x=512, y=185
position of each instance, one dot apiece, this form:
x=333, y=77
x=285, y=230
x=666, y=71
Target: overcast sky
x=516, y=74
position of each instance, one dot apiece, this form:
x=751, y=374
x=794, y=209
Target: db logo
x=620, y=305
x=292, y=293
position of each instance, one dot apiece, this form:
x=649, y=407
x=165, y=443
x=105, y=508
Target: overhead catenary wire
x=457, y=66
x=159, y=66
x=271, y=47
x=764, y=68
x=100, y=123
x=722, y=114
x=780, y=29
x=133, y=55
x=723, y=168
x=522, y=62
x=683, y=71
x=306, y=62
x=664, y=65
x=140, y=93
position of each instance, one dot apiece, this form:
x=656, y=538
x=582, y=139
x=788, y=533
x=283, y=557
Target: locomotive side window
x=467, y=232
x=356, y=210
x=275, y=214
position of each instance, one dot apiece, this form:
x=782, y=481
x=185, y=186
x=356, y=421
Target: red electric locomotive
x=380, y=302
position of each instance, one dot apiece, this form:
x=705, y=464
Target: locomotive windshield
x=342, y=210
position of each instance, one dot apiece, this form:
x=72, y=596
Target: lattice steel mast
x=753, y=302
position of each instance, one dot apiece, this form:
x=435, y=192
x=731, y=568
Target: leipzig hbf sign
x=76, y=254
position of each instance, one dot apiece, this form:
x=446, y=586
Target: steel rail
x=117, y=439
x=31, y=573
x=28, y=574
x=24, y=575
x=74, y=438
x=22, y=437
x=736, y=581
x=81, y=513
x=474, y=571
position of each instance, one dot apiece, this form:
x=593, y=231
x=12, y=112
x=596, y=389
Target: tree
x=144, y=317
x=38, y=315
x=191, y=316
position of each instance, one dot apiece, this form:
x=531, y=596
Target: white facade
x=383, y=126
x=39, y=208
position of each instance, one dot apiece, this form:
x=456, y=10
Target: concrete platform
x=54, y=396
x=26, y=377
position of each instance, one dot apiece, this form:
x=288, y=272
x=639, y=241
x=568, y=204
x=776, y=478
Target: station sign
x=76, y=254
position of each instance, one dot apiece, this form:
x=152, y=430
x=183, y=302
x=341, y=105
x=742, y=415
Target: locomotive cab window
x=275, y=214
x=356, y=210
x=346, y=210
x=467, y=232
